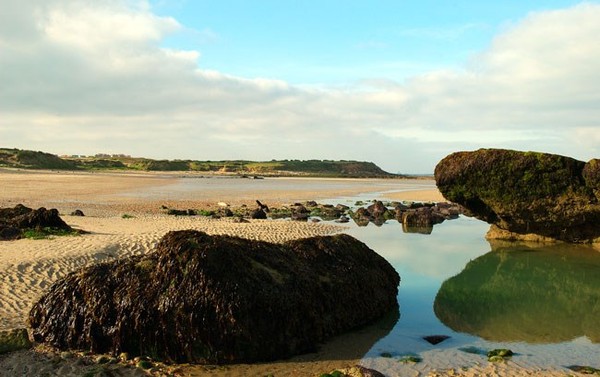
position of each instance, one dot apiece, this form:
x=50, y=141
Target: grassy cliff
x=24, y=159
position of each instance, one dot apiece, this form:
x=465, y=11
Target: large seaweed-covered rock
x=525, y=192
x=219, y=299
x=13, y=221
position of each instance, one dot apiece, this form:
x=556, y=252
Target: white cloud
x=87, y=76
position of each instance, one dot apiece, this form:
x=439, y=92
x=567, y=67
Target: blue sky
x=340, y=42
x=398, y=83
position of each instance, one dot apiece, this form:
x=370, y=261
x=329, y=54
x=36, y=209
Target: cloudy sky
x=399, y=83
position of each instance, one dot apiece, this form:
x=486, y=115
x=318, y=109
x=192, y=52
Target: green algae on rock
x=525, y=192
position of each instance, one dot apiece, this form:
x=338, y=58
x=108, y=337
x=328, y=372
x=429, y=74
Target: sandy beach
x=28, y=267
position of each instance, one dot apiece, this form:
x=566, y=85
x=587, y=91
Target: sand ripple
x=29, y=267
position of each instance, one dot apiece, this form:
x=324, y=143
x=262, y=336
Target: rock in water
x=219, y=299
x=525, y=192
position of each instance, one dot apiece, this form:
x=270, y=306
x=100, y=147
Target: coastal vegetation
x=25, y=159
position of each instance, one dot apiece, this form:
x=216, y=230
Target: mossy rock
x=14, y=340
x=502, y=352
x=525, y=192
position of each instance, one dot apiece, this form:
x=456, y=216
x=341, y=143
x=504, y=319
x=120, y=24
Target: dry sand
x=28, y=267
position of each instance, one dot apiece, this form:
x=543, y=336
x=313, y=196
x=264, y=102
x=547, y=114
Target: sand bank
x=115, y=193
x=28, y=267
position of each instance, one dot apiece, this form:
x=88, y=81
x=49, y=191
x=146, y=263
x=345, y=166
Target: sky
x=399, y=83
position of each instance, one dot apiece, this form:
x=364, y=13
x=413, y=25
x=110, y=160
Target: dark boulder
x=40, y=218
x=224, y=212
x=78, y=212
x=219, y=299
x=361, y=217
x=342, y=207
x=258, y=214
x=421, y=217
x=299, y=212
x=13, y=221
x=377, y=209
x=525, y=192
x=181, y=212
x=377, y=213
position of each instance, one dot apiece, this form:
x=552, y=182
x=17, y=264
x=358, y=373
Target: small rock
x=435, y=339
x=258, y=214
x=77, y=212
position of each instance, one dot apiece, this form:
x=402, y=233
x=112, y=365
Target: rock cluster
x=219, y=299
x=415, y=217
x=521, y=193
x=14, y=221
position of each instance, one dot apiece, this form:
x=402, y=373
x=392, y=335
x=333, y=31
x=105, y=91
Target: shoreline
x=28, y=267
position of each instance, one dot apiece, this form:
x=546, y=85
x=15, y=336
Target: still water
x=541, y=301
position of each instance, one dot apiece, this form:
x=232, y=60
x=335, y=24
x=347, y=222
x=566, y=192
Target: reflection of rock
x=435, y=339
x=517, y=293
x=219, y=299
x=525, y=192
x=417, y=229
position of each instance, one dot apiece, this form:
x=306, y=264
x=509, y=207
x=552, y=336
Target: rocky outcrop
x=525, y=192
x=14, y=221
x=219, y=299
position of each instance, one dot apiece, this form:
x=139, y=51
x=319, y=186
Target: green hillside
x=33, y=160
x=24, y=159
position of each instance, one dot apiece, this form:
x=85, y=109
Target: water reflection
x=524, y=292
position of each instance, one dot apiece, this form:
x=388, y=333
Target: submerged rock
x=525, y=192
x=219, y=299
